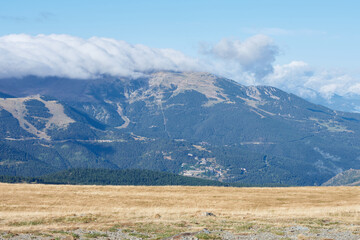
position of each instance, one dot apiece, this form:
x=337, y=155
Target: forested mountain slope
x=189, y=123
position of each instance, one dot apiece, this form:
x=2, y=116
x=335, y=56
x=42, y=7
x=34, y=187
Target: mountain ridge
x=349, y=177
x=242, y=133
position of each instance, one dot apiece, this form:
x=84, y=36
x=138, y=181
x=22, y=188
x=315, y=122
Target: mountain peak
x=180, y=82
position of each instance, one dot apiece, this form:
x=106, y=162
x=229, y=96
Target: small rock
x=206, y=231
x=208, y=214
x=298, y=229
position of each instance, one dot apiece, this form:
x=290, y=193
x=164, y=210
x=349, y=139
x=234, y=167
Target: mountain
x=188, y=123
x=349, y=177
x=347, y=103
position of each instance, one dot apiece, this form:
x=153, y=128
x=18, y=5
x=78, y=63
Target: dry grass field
x=173, y=209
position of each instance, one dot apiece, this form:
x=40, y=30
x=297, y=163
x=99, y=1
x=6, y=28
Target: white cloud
x=294, y=74
x=355, y=88
x=68, y=56
x=250, y=62
x=254, y=55
x=300, y=78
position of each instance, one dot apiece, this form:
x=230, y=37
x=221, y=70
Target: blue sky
x=304, y=47
x=321, y=33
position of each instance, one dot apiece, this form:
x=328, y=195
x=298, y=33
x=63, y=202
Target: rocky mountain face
x=189, y=123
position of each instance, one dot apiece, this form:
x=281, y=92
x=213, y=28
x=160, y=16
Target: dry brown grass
x=30, y=207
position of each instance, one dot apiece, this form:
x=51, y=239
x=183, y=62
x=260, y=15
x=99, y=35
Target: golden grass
x=35, y=207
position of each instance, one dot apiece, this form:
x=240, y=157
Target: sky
x=299, y=46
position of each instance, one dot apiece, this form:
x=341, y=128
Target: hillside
x=350, y=177
x=187, y=123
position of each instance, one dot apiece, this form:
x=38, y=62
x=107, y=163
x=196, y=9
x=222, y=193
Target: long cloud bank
x=249, y=62
x=73, y=57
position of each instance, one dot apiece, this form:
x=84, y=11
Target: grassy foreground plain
x=170, y=210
